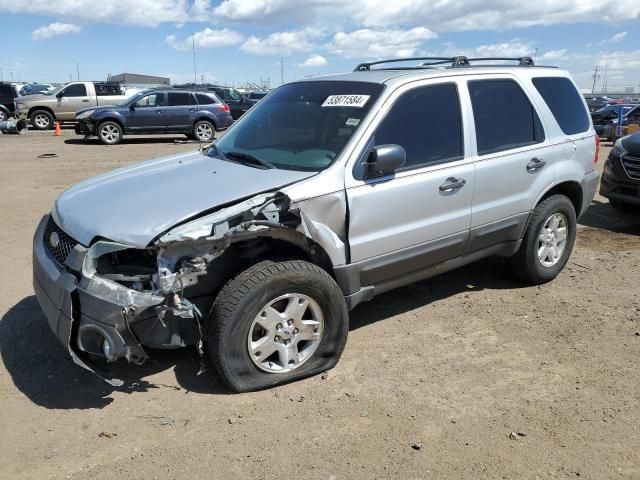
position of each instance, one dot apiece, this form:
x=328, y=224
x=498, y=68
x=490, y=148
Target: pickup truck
x=62, y=103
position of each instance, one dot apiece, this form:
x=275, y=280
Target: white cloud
x=54, y=30
x=367, y=43
x=147, y=13
x=207, y=38
x=282, y=43
x=314, y=61
x=618, y=37
x=436, y=15
x=554, y=55
x=513, y=48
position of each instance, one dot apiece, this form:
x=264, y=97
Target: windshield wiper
x=248, y=159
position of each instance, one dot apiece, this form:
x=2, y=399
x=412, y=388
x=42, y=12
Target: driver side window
x=75, y=90
x=427, y=123
x=152, y=100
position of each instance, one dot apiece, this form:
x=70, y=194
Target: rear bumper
x=84, y=312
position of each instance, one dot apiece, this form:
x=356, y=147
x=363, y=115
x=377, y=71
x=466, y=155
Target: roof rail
x=451, y=62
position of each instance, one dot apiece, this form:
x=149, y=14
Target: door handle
x=193, y=109
x=159, y=111
x=452, y=184
x=85, y=100
x=535, y=164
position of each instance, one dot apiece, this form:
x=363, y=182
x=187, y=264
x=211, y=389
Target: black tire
x=204, y=131
x=525, y=264
x=3, y=115
x=42, y=120
x=241, y=300
x=110, y=132
x=621, y=206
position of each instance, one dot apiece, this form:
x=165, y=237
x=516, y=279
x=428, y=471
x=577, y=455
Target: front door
x=419, y=216
x=147, y=114
x=73, y=98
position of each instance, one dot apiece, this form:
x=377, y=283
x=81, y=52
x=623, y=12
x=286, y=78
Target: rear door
x=514, y=161
x=419, y=216
x=147, y=114
x=74, y=97
x=180, y=109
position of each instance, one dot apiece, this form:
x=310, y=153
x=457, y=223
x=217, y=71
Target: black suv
x=238, y=103
x=8, y=95
x=621, y=177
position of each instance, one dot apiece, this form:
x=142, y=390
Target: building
x=137, y=79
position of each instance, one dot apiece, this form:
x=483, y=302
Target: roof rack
x=451, y=62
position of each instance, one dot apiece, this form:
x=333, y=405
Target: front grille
x=631, y=165
x=65, y=243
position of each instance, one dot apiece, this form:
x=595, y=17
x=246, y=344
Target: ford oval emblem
x=54, y=239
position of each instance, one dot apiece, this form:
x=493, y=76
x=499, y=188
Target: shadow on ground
x=604, y=216
x=41, y=368
x=132, y=140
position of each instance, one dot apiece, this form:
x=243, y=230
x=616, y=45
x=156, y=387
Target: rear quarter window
x=565, y=103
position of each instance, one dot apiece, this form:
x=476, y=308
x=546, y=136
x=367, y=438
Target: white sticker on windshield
x=357, y=101
x=352, y=122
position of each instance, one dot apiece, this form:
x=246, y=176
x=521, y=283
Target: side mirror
x=60, y=94
x=385, y=159
x=132, y=107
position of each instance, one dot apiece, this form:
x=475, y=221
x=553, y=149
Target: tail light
x=595, y=158
x=224, y=107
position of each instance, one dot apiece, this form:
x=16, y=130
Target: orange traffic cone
x=58, y=132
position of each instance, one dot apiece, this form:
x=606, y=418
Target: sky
x=240, y=41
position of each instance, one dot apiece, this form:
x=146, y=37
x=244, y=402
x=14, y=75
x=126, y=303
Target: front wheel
x=110, y=133
x=274, y=323
x=42, y=120
x=548, y=241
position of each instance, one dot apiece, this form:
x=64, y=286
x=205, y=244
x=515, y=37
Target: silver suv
x=330, y=191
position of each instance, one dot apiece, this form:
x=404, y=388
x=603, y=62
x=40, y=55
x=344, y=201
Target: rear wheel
x=548, y=241
x=204, y=131
x=274, y=323
x=110, y=133
x=42, y=120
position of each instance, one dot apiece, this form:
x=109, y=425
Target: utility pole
x=595, y=76
x=604, y=80
x=535, y=54
x=70, y=78
x=281, y=71
x=202, y=79
x=78, y=70
x=11, y=76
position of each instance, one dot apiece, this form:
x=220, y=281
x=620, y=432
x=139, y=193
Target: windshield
x=300, y=126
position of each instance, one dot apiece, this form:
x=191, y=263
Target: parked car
x=35, y=88
x=8, y=95
x=61, y=104
x=328, y=192
x=621, y=177
x=238, y=103
x=605, y=120
x=198, y=115
x=256, y=95
x=595, y=103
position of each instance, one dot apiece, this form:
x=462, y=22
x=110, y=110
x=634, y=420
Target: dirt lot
x=452, y=365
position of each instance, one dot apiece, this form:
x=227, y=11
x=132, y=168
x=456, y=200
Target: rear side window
x=426, y=122
x=75, y=90
x=564, y=102
x=204, y=99
x=178, y=99
x=503, y=115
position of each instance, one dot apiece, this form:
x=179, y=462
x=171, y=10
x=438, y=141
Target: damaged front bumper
x=92, y=317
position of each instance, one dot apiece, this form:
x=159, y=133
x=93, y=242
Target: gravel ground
x=468, y=375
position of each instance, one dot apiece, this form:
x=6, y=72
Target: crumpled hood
x=97, y=109
x=135, y=204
